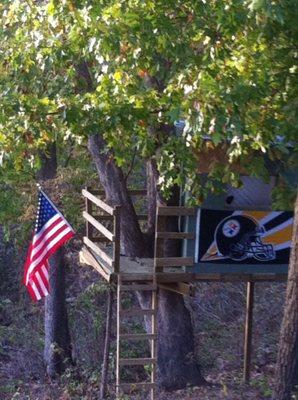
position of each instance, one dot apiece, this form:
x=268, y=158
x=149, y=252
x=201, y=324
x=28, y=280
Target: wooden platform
x=135, y=270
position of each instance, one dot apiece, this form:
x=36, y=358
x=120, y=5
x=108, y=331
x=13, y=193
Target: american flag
x=51, y=232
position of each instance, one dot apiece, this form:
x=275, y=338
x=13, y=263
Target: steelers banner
x=251, y=238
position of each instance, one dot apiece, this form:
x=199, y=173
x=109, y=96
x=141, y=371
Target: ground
x=217, y=312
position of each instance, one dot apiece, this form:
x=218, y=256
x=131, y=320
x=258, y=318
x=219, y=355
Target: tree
x=288, y=342
x=57, y=348
x=118, y=74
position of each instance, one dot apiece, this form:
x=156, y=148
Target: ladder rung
x=131, y=386
x=136, y=361
x=125, y=288
x=138, y=336
x=135, y=312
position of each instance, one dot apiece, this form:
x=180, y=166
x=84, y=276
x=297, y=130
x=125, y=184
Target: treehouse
x=227, y=252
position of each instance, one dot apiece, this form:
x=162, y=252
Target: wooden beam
x=175, y=210
x=137, y=361
x=138, y=336
x=104, y=256
x=174, y=261
x=125, y=288
x=102, y=229
x=137, y=385
x=154, y=307
x=118, y=348
x=86, y=257
x=248, y=331
x=182, y=288
x=101, y=204
x=89, y=227
x=116, y=232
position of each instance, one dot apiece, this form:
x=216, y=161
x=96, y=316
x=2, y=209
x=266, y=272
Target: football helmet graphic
x=239, y=237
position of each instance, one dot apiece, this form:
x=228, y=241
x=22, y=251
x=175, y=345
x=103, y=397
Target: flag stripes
x=52, y=231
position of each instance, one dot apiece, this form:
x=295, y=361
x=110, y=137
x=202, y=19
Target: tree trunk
x=57, y=347
x=57, y=350
x=176, y=364
x=112, y=179
x=288, y=342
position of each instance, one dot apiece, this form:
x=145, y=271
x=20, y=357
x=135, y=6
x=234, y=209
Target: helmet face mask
x=239, y=237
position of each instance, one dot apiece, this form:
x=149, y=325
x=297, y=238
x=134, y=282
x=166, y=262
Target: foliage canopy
x=131, y=68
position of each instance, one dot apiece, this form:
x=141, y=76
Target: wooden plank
x=175, y=235
x=138, y=336
x=137, y=312
x=99, y=252
x=174, y=261
x=137, y=361
x=154, y=342
x=89, y=227
x=125, y=288
x=160, y=226
x=137, y=385
x=185, y=289
x=102, y=229
x=248, y=331
x=104, y=206
x=132, y=277
x=86, y=257
x=118, y=349
x=116, y=232
x=175, y=277
x=175, y=210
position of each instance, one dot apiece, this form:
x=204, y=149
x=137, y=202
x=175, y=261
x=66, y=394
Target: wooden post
x=248, y=330
x=159, y=242
x=105, y=363
x=116, y=252
x=118, y=339
x=154, y=341
x=89, y=227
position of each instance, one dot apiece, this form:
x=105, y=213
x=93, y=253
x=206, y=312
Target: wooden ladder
x=122, y=288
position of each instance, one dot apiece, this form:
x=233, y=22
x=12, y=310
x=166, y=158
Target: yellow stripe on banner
x=211, y=252
x=284, y=235
x=258, y=215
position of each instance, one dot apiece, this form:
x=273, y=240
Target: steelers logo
x=231, y=228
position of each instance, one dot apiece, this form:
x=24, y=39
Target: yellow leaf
x=118, y=76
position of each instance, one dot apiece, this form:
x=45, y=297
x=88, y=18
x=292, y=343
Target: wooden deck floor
x=134, y=270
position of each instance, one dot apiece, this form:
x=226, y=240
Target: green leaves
x=131, y=68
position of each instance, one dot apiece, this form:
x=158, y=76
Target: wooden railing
x=162, y=213
x=97, y=232
x=98, y=215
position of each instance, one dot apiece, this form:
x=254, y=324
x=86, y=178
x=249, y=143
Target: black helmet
x=239, y=237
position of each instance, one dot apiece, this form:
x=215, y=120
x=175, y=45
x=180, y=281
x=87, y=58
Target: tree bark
x=48, y=159
x=288, y=343
x=176, y=364
x=113, y=182
x=57, y=347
